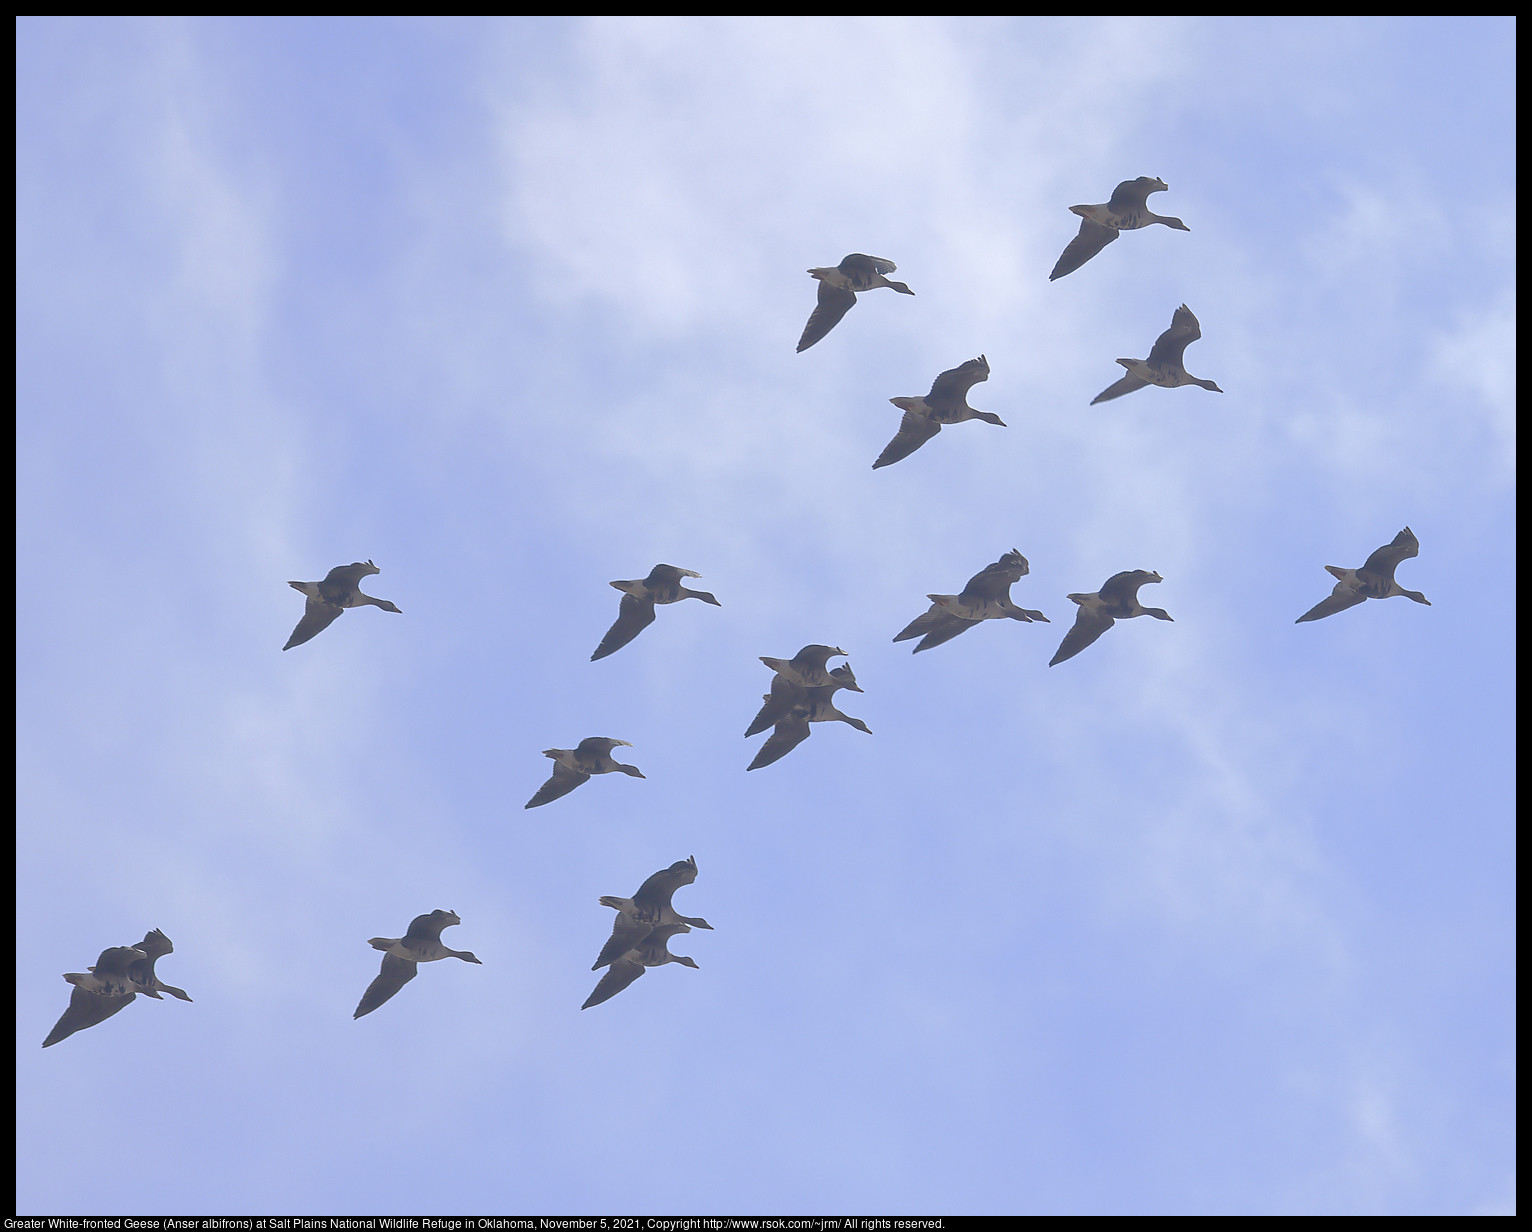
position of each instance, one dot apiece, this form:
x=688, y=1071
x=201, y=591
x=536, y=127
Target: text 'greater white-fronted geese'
x=987, y=596
x=120, y=974
x=790, y=708
x=401, y=955
x=1163, y=367
x=329, y=598
x=575, y=766
x=1128, y=210
x=947, y=403
x=636, y=611
x=1374, y=580
x=1116, y=600
x=838, y=288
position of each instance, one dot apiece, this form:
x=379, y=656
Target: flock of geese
x=802, y=688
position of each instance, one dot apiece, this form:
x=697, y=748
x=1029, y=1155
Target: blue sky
x=1214, y=918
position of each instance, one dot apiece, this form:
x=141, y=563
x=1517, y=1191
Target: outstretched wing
x=953, y=385
x=563, y=782
x=395, y=974
x=1172, y=344
x=1116, y=390
x=915, y=430
x=789, y=734
x=1087, y=628
x=1342, y=597
x=785, y=694
x=995, y=581
x=922, y=624
x=1092, y=239
x=633, y=617
x=627, y=934
x=86, y=1009
x=317, y=617
x=1382, y=563
x=1133, y=195
x=859, y=263
x=618, y=976
x=1121, y=589
x=834, y=303
x=946, y=627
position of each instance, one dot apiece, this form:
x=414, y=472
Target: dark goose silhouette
x=947, y=403
x=401, y=955
x=803, y=706
x=987, y=596
x=636, y=611
x=1116, y=600
x=99, y=992
x=838, y=288
x=1374, y=580
x=649, y=908
x=575, y=766
x=652, y=951
x=1128, y=210
x=329, y=598
x=1163, y=367
x=807, y=667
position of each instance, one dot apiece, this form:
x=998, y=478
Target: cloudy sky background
x=1215, y=918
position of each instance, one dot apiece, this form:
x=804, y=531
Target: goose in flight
x=785, y=695
x=651, y=951
x=649, y=908
x=575, y=766
x=1116, y=600
x=1128, y=210
x=987, y=596
x=807, y=667
x=947, y=403
x=807, y=706
x=155, y=946
x=329, y=598
x=401, y=955
x=838, y=287
x=636, y=612
x=1163, y=367
x=1374, y=580
x=98, y=993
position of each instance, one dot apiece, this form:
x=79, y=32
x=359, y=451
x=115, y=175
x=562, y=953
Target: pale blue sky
x=1215, y=918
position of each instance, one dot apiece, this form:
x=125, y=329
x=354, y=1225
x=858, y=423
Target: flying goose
x=987, y=596
x=1374, y=580
x=1116, y=600
x=785, y=695
x=329, y=598
x=401, y=955
x=649, y=952
x=838, y=287
x=1163, y=367
x=98, y=993
x=1128, y=210
x=811, y=706
x=649, y=907
x=947, y=403
x=155, y=945
x=807, y=667
x=575, y=766
x=636, y=612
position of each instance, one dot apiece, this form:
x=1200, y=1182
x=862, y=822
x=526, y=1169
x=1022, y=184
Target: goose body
x=1374, y=580
x=839, y=286
x=987, y=596
x=1128, y=210
x=328, y=598
x=98, y=992
x=636, y=611
x=1163, y=367
x=1116, y=600
x=785, y=695
x=807, y=667
x=648, y=909
x=947, y=403
x=575, y=766
x=803, y=706
x=422, y=942
x=651, y=951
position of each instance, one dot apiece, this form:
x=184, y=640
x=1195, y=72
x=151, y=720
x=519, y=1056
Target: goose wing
x=1172, y=344
x=923, y=623
x=1121, y=589
x=1116, y=390
x=633, y=617
x=1133, y=194
x=627, y=934
x=1382, y=563
x=856, y=263
x=952, y=386
x=995, y=581
x=1342, y=597
x=944, y=629
x=1092, y=239
x=653, y=897
x=317, y=617
x=789, y=734
x=915, y=430
x=834, y=303
x=1087, y=628
x=395, y=974
x=618, y=976
x=86, y=1009
x=563, y=781
x=427, y=929
x=785, y=694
